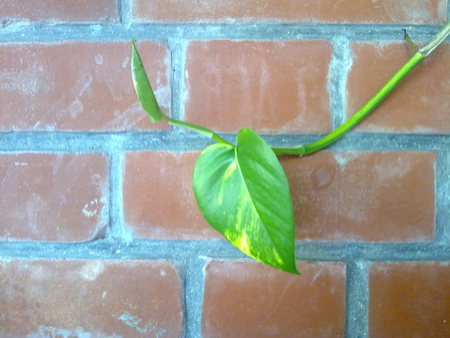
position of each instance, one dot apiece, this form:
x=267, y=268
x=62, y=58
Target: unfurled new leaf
x=243, y=193
x=143, y=88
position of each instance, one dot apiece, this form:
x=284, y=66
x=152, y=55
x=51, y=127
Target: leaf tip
x=133, y=45
x=143, y=89
x=294, y=271
x=290, y=267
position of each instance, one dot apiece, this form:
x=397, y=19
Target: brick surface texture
x=290, y=11
x=409, y=299
x=252, y=300
x=53, y=197
x=44, y=87
x=100, y=233
x=76, y=298
x=50, y=11
x=278, y=87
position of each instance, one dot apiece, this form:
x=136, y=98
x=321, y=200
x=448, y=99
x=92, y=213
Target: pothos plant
x=241, y=188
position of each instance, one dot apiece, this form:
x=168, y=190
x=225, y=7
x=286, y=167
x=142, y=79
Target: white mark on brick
x=40, y=273
x=31, y=79
x=317, y=275
x=115, y=91
x=345, y=157
x=82, y=83
x=125, y=62
x=99, y=59
x=418, y=12
x=34, y=206
x=302, y=89
x=21, y=164
x=104, y=294
x=280, y=298
x=187, y=88
x=52, y=332
x=91, y=208
x=75, y=108
x=423, y=130
x=395, y=169
x=91, y=270
x=127, y=119
x=162, y=94
x=140, y=325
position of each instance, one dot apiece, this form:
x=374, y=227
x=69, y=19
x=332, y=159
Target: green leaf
x=243, y=193
x=143, y=88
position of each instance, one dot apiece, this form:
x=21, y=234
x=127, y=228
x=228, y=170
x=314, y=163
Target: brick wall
x=100, y=235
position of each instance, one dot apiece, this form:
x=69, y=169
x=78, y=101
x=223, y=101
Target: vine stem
x=367, y=108
x=373, y=102
x=150, y=105
x=147, y=99
x=198, y=129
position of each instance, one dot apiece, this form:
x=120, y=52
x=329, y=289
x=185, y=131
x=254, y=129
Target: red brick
x=379, y=196
x=271, y=87
x=291, y=11
x=44, y=87
x=71, y=298
x=418, y=105
x=249, y=299
x=50, y=197
x=55, y=11
x=409, y=299
x=159, y=202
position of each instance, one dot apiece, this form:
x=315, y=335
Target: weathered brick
x=271, y=87
x=158, y=199
x=376, y=196
x=409, y=299
x=82, y=298
x=53, y=197
x=44, y=87
x=417, y=105
x=291, y=11
x=64, y=11
x=249, y=299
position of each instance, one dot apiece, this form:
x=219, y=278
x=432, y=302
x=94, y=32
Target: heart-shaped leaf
x=243, y=193
x=143, y=88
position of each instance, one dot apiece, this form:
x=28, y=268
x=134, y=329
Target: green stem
x=200, y=130
x=294, y=150
x=367, y=108
x=373, y=103
x=358, y=117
